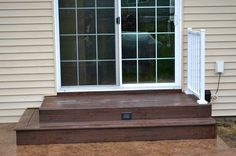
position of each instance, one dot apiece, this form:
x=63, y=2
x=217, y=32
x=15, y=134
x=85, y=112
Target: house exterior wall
x=218, y=17
x=26, y=55
x=27, y=52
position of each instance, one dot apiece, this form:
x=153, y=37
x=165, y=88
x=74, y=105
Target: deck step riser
x=113, y=135
x=98, y=118
x=109, y=114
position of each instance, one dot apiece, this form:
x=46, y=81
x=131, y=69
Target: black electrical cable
x=218, y=84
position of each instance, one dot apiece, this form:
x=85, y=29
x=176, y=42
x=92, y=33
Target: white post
x=188, y=91
x=202, y=69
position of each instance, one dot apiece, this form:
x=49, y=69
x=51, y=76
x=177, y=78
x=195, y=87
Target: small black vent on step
x=126, y=115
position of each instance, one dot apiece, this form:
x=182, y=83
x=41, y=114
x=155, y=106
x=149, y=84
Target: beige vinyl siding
x=218, y=17
x=27, y=66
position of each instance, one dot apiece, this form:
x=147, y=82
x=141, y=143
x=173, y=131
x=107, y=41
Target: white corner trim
x=179, y=43
x=57, y=46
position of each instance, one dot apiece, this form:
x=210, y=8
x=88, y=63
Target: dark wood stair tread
x=87, y=118
x=118, y=101
x=129, y=123
x=33, y=123
x=103, y=107
x=29, y=131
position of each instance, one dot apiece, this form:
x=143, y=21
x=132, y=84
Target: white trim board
x=128, y=87
x=57, y=46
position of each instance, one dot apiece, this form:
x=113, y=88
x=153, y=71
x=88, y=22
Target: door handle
x=117, y=20
x=176, y=20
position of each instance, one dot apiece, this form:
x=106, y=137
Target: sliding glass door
x=90, y=41
x=148, y=45
x=87, y=42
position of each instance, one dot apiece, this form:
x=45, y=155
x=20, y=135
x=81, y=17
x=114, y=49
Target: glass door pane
x=148, y=44
x=87, y=42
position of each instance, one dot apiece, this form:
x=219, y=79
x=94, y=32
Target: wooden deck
x=97, y=117
x=117, y=100
x=98, y=107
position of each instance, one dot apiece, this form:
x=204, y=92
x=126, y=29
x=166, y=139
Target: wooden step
x=30, y=131
x=104, y=107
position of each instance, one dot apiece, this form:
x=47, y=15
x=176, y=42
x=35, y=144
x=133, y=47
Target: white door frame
x=119, y=86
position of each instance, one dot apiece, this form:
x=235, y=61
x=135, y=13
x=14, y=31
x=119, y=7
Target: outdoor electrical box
x=219, y=67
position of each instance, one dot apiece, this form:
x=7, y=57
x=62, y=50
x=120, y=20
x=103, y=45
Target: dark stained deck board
x=114, y=135
x=130, y=124
x=33, y=123
x=25, y=119
x=102, y=107
x=118, y=131
x=96, y=117
x=104, y=114
x=95, y=101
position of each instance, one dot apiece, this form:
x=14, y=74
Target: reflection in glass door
x=148, y=49
x=87, y=42
x=90, y=41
